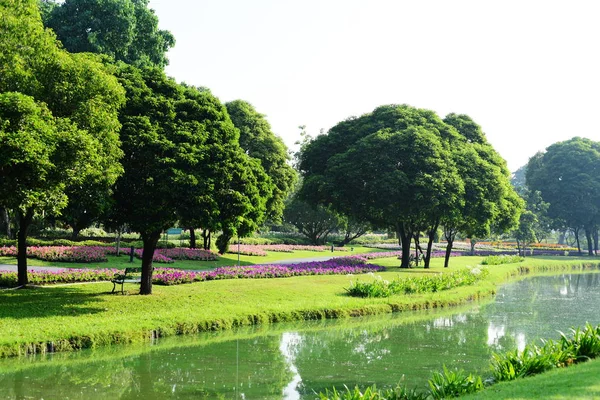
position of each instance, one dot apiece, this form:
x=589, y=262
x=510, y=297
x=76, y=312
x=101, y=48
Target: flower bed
x=89, y=254
x=261, y=249
x=67, y=275
x=166, y=276
x=61, y=253
x=172, y=276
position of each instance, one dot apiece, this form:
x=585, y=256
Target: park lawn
x=87, y=315
x=224, y=260
x=575, y=382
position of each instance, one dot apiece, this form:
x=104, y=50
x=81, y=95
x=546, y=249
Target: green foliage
x=566, y=177
x=453, y=384
x=126, y=30
x=259, y=142
x=425, y=284
x=314, y=222
x=584, y=344
x=532, y=360
x=501, y=259
x=372, y=393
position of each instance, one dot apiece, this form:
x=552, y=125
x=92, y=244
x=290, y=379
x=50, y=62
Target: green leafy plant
x=372, y=393
x=502, y=259
x=584, y=344
x=453, y=383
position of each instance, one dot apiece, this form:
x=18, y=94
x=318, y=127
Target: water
x=294, y=361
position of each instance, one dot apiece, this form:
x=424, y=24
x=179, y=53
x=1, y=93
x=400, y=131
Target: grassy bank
x=576, y=382
x=80, y=316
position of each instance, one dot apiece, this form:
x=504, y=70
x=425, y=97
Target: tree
x=182, y=160
x=259, y=142
x=59, y=118
x=567, y=175
x=393, y=167
x=126, y=30
x=314, y=222
x=489, y=203
x=525, y=233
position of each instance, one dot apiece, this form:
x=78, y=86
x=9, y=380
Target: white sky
x=527, y=71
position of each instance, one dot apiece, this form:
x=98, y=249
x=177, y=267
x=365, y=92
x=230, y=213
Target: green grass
x=87, y=315
x=576, y=382
x=225, y=260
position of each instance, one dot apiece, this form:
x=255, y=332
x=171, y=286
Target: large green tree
x=567, y=175
x=259, y=142
x=394, y=167
x=126, y=30
x=489, y=201
x=182, y=160
x=59, y=109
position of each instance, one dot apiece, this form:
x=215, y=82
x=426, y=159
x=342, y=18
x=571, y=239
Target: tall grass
x=415, y=285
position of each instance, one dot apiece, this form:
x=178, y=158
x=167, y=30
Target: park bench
x=130, y=275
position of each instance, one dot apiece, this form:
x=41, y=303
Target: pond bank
x=70, y=318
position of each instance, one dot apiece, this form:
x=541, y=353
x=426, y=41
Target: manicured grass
x=76, y=316
x=225, y=260
x=576, y=382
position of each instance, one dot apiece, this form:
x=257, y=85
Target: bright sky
x=527, y=71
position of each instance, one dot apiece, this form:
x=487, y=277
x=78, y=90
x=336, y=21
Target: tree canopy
x=259, y=142
x=567, y=175
x=59, y=118
x=126, y=30
x=405, y=168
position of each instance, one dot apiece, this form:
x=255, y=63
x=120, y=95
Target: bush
x=531, y=361
x=372, y=393
x=453, y=384
x=584, y=344
x=425, y=284
x=501, y=259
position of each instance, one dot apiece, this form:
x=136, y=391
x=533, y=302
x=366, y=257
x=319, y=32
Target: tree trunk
x=473, y=243
x=431, y=236
x=561, y=238
x=206, y=239
x=448, y=250
x=588, y=236
x=596, y=241
x=192, y=238
x=576, y=231
x=519, y=248
x=6, y=218
x=417, y=247
x=24, y=222
x=150, y=240
x=118, y=242
x=76, y=230
x=405, y=239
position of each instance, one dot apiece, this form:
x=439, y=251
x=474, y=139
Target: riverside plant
x=580, y=346
x=501, y=259
x=379, y=287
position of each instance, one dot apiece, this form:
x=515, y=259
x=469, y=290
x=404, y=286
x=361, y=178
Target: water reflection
x=293, y=361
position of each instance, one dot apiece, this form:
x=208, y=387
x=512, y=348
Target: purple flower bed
x=171, y=276
x=385, y=254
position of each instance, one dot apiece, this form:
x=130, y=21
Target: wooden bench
x=130, y=275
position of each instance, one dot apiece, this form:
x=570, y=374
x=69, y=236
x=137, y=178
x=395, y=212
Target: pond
x=293, y=361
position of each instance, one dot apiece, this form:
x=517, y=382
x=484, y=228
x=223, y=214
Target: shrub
x=501, y=259
x=372, y=393
x=531, y=361
x=425, y=284
x=453, y=384
x=584, y=344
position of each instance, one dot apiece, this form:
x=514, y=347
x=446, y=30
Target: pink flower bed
x=260, y=250
x=89, y=254
x=172, y=276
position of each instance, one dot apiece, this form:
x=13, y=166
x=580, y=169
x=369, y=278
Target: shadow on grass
x=45, y=302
